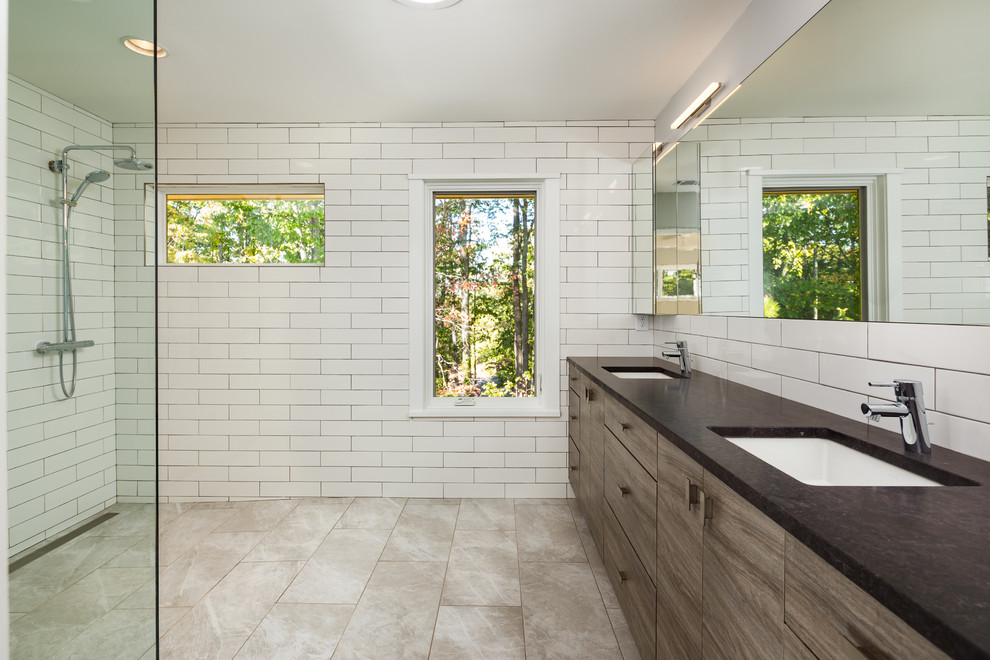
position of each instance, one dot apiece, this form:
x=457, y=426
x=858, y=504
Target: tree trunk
x=465, y=236
x=520, y=293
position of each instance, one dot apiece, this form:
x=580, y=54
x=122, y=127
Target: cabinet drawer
x=573, y=415
x=633, y=589
x=835, y=618
x=574, y=466
x=638, y=437
x=573, y=379
x=632, y=494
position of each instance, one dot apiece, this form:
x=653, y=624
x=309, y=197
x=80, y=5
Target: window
x=484, y=302
x=811, y=254
x=825, y=244
x=244, y=224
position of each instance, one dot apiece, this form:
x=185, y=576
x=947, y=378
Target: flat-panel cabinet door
x=743, y=578
x=592, y=447
x=679, y=554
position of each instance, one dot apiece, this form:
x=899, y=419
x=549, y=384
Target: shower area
x=81, y=330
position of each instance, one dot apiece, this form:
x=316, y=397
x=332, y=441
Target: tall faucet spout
x=910, y=409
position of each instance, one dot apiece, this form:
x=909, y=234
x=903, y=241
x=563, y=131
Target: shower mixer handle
x=63, y=346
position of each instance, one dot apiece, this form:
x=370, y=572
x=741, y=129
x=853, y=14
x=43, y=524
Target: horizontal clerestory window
x=242, y=224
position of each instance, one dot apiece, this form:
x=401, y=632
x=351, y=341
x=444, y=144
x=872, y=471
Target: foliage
x=678, y=283
x=483, y=296
x=244, y=231
x=811, y=255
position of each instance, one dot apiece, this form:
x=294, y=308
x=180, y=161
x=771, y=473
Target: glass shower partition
x=81, y=435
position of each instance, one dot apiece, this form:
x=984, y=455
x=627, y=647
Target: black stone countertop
x=922, y=552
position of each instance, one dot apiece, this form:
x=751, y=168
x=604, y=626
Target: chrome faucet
x=909, y=409
x=682, y=355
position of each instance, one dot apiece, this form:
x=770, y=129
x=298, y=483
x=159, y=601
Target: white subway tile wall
x=61, y=452
x=292, y=380
x=832, y=361
x=944, y=201
x=134, y=319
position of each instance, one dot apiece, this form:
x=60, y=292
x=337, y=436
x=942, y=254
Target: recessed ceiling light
x=143, y=47
x=428, y=4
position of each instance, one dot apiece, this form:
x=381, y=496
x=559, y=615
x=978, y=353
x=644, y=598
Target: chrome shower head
x=96, y=176
x=134, y=164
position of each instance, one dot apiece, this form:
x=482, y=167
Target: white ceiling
x=370, y=60
x=876, y=58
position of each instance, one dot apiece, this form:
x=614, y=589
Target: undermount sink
x=640, y=373
x=813, y=458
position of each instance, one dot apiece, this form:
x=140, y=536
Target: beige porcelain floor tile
x=397, y=613
x=169, y=616
x=299, y=533
x=300, y=631
x=422, y=533
x=258, y=516
x=478, y=633
x=133, y=520
x=33, y=584
x=44, y=630
x=191, y=576
x=597, y=567
x=187, y=530
x=483, y=569
x=372, y=513
x=480, y=514
x=14, y=616
x=339, y=569
x=627, y=645
x=546, y=532
x=139, y=555
x=448, y=501
x=220, y=623
x=142, y=599
x=118, y=635
x=563, y=613
x=169, y=511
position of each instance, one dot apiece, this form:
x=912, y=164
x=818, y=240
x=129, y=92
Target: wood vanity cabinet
x=573, y=432
x=591, y=444
x=833, y=618
x=699, y=571
x=743, y=578
x=720, y=567
x=680, y=529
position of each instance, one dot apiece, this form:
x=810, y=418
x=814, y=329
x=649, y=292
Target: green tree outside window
x=812, y=255
x=484, y=303
x=244, y=229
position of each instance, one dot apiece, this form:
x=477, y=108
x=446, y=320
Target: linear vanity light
x=699, y=103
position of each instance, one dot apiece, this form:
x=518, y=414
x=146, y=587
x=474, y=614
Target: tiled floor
x=384, y=578
x=93, y=597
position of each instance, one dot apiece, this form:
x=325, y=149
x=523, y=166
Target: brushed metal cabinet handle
x=624, y=426
x=708, y=506
x=623, y=577
x=691, y=493
x=624, y=490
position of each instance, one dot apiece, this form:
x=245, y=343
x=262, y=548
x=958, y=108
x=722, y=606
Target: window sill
x=519, y=409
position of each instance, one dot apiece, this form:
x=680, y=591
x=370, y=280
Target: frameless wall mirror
x=847, y=177
x=676, y=230
x=81, y=331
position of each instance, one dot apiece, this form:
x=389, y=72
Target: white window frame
x=882, y=224
x=165, y=189
x=546, y=402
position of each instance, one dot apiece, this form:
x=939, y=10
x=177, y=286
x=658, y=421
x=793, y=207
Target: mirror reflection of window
x=812, y=254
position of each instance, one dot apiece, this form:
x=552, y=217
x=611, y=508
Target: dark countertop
x=922, y=552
